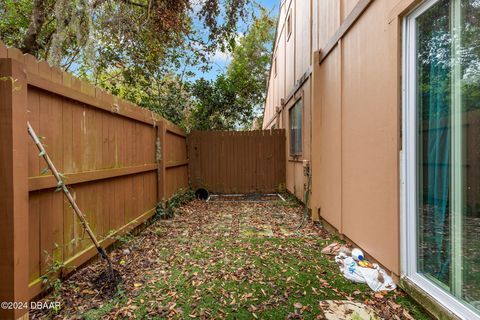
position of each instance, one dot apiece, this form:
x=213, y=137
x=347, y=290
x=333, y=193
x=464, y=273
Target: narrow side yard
x=223, y=260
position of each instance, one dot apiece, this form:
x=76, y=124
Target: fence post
x=161, y=162
x=14, y=184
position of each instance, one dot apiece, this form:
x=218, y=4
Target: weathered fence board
x=14, y=188
x=108, y=150
x=237, y=162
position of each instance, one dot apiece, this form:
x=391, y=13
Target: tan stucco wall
x=296, y=179
x=356, y=129
x=352, y=102
x=327, y=141
x=294, y=59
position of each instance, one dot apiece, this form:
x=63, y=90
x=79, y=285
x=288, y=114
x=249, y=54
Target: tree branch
x=39, y=14
x=141, y=5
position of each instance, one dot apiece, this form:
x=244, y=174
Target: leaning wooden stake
x=69, y=196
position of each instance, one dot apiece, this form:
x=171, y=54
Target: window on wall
x=289, y=25
x=442, y=101
x=275, y=66
x=295, y=120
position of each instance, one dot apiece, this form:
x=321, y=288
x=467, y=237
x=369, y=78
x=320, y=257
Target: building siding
x=292, y=53
x=352, y=120
x=351, y=123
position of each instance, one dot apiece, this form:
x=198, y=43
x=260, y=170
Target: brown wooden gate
x=237, y=162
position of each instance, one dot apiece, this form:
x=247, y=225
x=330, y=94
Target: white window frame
x=275, y=71
x=289, y=23
x=294, y=105
x=408, y=174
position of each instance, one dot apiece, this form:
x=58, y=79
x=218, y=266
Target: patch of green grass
x=119, y=299
x=275, y=281
x=93, y=314
x=242, y=278
x=415, y=310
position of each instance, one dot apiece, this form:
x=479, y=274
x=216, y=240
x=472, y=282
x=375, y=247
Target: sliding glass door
x=442, y=102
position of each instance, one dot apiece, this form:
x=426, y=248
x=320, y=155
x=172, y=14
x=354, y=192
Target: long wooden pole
x=69, y=196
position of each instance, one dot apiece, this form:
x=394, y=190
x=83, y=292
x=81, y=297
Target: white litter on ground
x=376, y=278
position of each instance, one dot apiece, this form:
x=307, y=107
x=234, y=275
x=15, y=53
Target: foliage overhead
x=145, y=51
x=232, y=100
x=127, y=30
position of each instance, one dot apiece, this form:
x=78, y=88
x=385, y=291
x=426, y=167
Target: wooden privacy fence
x=119, y=160
x=237, y=162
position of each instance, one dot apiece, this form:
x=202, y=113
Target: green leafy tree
x=233, y=99
x=129, y=47
x=142, y=50
x=248, y=71
x=60, y=30
x=215, y=105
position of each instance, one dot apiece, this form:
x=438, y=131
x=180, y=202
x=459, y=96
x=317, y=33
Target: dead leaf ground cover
x=223, y=260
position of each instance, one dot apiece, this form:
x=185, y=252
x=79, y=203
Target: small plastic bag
x=376, y=278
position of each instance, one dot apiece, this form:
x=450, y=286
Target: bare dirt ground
x=222, y=260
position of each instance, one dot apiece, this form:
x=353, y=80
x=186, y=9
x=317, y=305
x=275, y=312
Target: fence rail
x=118, y=159
x=237, y=162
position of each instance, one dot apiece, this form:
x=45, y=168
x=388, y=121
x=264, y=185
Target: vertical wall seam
x=340, y=47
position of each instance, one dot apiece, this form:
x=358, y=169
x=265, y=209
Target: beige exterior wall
x=352, y=107
x=370, y=136
x=292, y=55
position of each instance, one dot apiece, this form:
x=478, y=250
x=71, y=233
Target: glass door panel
x=434, y=142
x=469, y=88
x=447, y=77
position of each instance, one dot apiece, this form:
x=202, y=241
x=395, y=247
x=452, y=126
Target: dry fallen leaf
x=88, y=291
x=378, y=295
